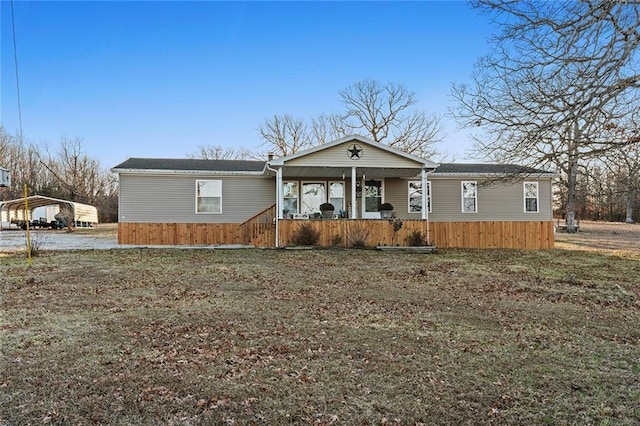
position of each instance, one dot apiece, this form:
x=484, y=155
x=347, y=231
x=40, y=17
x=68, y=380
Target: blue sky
x=158, y=79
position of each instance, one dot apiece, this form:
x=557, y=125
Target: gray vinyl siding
x=171, y=199
x=496, y=202
x=395, y=192
x=371, y=157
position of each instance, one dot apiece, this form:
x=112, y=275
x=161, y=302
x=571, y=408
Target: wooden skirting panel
x=345, y=232
x=180, y=233
x=519, y=235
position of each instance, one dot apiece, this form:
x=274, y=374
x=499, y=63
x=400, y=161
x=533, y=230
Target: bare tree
x=624, y=167
x=23, y=161
x=285, y=135
x=326, y=128
x=74, y=176
x=68, y=174
x=219, y=152
x=561, y=74
x=386, y=114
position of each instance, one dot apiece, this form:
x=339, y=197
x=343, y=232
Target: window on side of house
x=209, y=196
x=336, y=195
x=290, y=193
x=531, y=197
x=469, y=196
x=415, y=196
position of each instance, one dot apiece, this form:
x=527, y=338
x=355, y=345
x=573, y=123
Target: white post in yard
x=353, y=192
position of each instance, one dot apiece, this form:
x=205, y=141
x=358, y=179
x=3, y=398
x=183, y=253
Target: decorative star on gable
x=354, y=151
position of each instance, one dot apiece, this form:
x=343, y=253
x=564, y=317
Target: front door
x=371, y=199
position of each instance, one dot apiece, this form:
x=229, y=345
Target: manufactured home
x=264, y=203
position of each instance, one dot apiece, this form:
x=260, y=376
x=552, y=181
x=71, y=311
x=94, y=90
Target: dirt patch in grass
x=146, y=336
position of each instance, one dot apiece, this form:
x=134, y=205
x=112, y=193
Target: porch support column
x=279, y=193
x=353, y=193
x=425, y=205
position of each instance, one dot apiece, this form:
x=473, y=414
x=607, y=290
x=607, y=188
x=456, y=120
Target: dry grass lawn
x=337, y=336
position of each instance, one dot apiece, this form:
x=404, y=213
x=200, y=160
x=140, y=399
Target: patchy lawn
x=145, y=336
x=609, y=237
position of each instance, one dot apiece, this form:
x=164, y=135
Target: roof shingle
x=188, y=164
x=487, y=169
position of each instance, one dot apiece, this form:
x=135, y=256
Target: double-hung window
x=415, y=196
x=209, y=196
x=531, y=197
x=290, y=194
x=336, y=195
x=469, y=196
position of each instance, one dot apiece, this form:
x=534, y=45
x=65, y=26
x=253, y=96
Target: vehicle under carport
x=14, y=212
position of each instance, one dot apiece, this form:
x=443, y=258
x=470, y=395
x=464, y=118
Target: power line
x=15, y=60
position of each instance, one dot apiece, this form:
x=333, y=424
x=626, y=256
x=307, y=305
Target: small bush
x=358, y=235
x=37, y=242
x=306, y=235
x=336, y=240
x=416, y=239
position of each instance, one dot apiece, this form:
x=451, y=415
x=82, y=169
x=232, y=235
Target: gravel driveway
x=55, y=240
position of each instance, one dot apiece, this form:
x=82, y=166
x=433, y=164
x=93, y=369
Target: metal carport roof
x=81, y=212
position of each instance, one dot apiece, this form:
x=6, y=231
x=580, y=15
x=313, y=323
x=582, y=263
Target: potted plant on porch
x=386, y=211
x=327, y=210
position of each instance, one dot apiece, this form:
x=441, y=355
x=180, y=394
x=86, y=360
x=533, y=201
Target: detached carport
x=84, y=215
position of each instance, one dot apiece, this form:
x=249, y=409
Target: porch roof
x=420, y=163
x=329, y=172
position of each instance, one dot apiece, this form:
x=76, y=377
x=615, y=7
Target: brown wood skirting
x=519, y=235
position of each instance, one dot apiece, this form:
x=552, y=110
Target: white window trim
x=475, y=183
x=220, y=196
x=429, y=203
x=297, y=197
x=524, y=196
x=344, y=192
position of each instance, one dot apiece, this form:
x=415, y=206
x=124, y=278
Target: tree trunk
x=572, y=180
x=630, y=199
